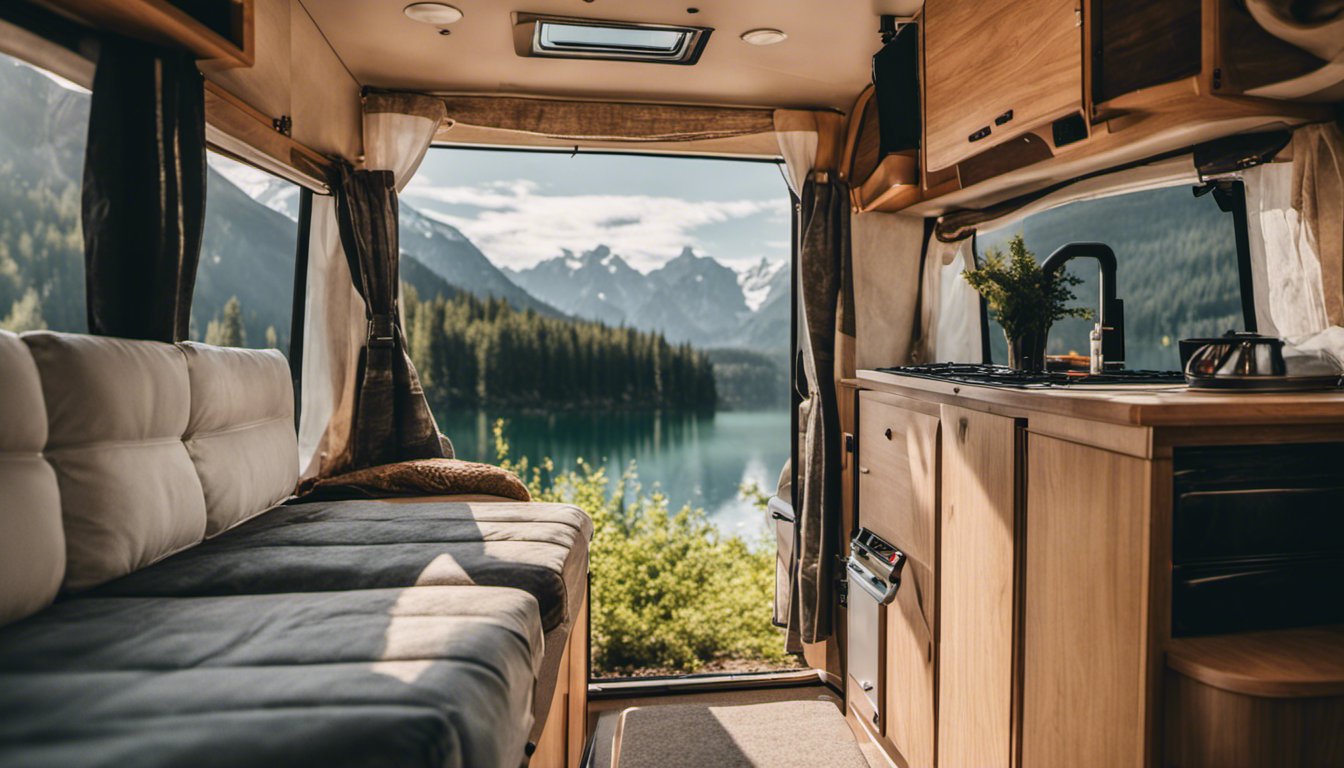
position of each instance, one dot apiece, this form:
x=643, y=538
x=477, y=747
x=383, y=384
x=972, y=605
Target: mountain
x=704, y=290
x=247, y=250
x=446, y=252
x=691, y=298
x=766, y=330
x=758, y=280
x=596, y=285
x=41, y=162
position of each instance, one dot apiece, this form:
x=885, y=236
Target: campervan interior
x=1020, y=322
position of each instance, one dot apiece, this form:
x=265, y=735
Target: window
x=245, y=282
x=1177, y=270
x=607, y=315
x=589, y=39
x=42, y=137
x=556, y=36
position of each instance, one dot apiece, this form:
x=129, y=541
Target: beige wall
x=298, y=74
x=886, y=248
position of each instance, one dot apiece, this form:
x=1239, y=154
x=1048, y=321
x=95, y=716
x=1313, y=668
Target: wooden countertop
x=1136, y=405
x=1289, y=662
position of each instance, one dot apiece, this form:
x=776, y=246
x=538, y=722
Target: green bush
x=670, y=592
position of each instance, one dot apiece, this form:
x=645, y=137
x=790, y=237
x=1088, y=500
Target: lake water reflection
x=696, y=459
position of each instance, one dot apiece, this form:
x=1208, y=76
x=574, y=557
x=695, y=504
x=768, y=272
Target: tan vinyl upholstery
x=116, y=413
x=32, y=543
x=240, y=433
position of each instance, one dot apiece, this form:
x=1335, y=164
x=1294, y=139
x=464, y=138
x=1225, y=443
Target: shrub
x=670, y=592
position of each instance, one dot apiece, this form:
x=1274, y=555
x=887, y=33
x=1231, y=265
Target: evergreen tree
x=26, y=314
x=227, y=330
x=472, y=352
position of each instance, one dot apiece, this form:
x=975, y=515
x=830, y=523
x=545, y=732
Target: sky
x=522, y=207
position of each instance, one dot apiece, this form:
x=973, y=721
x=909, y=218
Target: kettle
x=1251, y=361
x=1236, y=354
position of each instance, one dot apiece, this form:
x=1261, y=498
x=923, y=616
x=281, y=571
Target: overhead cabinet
x=997, y=69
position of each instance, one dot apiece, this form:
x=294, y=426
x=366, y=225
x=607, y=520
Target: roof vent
x=568, y=38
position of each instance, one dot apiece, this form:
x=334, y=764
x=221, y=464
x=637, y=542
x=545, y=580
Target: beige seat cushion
x=116, y=413
x=32, y=544
x=240, y=434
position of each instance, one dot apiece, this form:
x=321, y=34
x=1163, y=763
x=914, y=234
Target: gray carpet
x=785, y=734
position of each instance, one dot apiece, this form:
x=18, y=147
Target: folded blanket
x=420, y=477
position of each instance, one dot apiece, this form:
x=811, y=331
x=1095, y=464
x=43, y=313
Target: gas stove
x=1003, y=376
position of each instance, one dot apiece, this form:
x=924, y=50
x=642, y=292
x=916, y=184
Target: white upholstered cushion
x=241, y=431
x=32, y=544
x=116, y=413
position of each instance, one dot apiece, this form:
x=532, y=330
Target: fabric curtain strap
x=144, y=191
x=606, y=121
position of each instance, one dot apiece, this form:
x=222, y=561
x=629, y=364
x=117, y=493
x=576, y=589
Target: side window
x=245, y=282
x=42, y=136
x=1177, y=270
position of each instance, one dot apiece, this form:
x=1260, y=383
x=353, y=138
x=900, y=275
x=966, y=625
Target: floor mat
x=785, y=734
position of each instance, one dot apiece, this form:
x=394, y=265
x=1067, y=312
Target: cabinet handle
x=888, y=433
x=962, y=428
x=867, y=686
x=863, y=470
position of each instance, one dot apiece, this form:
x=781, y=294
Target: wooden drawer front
x=994, y=69
x=898, y=475
x=910, y=665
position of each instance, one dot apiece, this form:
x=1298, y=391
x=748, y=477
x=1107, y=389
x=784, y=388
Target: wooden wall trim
x=233, y=116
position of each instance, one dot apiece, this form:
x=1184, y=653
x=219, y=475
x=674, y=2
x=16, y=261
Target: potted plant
x=1025, y=301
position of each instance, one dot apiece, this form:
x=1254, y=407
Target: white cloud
x=516, y=226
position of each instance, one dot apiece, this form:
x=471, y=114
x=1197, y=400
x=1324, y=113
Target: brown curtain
x=144, y=191
x=826, y=303
x=607, y=121
x=392, y=422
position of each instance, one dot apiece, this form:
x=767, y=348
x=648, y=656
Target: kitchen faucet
x=1111, y=313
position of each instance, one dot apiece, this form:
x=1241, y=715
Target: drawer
x=898, y=474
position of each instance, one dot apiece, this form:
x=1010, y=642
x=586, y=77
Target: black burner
x=1003, y=376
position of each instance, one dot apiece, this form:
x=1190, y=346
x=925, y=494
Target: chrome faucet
x=1111, y=312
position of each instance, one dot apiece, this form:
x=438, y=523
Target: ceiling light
x=764, y=36
x=437, y=14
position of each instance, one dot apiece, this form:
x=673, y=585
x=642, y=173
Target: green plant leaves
x=1023, y=298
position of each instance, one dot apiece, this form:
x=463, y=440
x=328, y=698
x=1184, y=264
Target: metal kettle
x=1236, y=356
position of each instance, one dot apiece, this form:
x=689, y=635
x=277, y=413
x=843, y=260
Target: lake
x=700, y=460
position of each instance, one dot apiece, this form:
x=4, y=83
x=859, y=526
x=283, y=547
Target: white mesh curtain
x=1295, y=213
x=398, y=129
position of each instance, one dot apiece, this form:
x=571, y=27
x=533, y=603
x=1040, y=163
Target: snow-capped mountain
x=596, y=284
x=758, y=280
x=691, y=298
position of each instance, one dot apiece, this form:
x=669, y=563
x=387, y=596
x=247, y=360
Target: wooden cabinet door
x=980, y=454
x=994, y=69
x=1086, y=659
x=898, y=500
